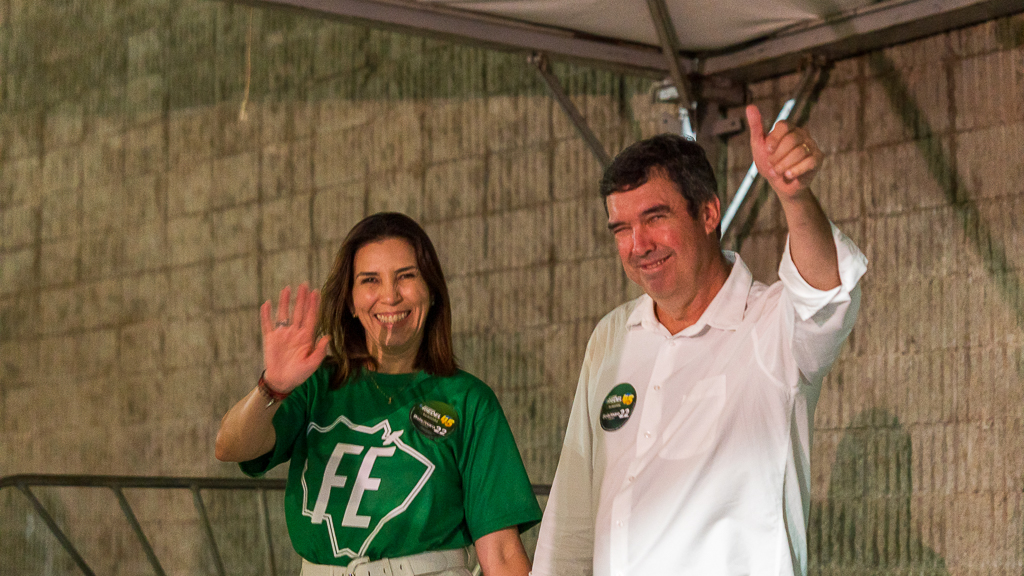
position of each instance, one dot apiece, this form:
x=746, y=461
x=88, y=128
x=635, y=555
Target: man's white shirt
x=689, y=453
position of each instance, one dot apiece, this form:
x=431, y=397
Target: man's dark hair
x=680, y=160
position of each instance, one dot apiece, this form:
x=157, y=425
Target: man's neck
x=679, y=315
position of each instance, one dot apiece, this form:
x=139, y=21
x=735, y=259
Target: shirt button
x=631, y=478
x=647, y=434
x=657, y=386
x=619, y=523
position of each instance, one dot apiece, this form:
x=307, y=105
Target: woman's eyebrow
x=399, y=271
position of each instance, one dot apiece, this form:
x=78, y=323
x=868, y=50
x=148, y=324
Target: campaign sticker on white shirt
x=618, y=406
x=434, y=419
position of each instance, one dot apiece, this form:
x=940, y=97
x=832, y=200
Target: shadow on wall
x=865, y=526
x=942, y=166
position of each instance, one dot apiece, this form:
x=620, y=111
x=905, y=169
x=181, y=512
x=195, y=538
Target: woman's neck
x=394, y=360
x=385, y=366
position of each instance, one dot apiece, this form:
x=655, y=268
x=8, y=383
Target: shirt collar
x=725, y=311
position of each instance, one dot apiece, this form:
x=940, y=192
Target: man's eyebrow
x=656, y=209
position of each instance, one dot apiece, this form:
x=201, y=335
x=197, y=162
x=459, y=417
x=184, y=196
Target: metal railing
x=25, y=482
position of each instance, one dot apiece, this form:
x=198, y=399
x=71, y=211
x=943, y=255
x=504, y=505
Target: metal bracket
x=540, y=61
x=669, y=123
x=725, y=127
x=722, y=127
x=715, y=89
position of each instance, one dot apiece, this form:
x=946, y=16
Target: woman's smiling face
x=391, y=300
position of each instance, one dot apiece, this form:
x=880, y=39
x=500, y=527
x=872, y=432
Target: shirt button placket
x=618, y=551
x=651, y=420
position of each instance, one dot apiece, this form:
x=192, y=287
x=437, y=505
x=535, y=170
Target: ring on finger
x=281, y=323
x=807, y=149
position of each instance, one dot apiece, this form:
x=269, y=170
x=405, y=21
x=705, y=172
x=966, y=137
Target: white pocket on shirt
x=694, y=428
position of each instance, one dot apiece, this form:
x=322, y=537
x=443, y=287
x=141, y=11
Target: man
x=687, y=451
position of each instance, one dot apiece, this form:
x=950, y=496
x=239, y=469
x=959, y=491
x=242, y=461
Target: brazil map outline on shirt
x=391, y=441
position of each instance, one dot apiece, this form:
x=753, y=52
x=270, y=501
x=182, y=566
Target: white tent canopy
x=737, y=39
x=700, y=26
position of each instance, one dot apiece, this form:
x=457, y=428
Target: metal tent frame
x=700, y=80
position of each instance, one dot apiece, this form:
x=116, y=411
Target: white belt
x=413, y=565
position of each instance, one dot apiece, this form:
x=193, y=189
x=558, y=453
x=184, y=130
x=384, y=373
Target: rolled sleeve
x=808, y=300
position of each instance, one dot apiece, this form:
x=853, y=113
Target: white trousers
x=435, y=563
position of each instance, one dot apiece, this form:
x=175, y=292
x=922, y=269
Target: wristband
x=271, y=394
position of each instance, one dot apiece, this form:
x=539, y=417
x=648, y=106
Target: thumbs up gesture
x=787, y=156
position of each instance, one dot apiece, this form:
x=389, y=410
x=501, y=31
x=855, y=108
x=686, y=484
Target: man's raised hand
x=787, y=157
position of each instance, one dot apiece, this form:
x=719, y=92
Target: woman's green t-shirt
x=434, y=469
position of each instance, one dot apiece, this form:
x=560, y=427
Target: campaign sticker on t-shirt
x=434, y=419
x=618, y=406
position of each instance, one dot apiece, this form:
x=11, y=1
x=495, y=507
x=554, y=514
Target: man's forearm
x=810, y=240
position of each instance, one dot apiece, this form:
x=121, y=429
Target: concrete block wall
x=143, y=220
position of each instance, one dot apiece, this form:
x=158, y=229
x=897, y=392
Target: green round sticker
x=434, y=419
x=618, y=406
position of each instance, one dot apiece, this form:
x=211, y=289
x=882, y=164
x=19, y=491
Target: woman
x=398, y=459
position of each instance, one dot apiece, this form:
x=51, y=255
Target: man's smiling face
x=664, y=249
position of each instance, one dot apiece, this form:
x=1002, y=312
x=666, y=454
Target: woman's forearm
x=247, y=430
x=501, y=553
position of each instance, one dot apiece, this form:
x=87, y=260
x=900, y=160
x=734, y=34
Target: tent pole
x=670, y=47
x=540, y=61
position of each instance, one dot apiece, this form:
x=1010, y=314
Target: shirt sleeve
x=497, y=492
x=822, y=319
x=808, y=300
x=565, y=546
